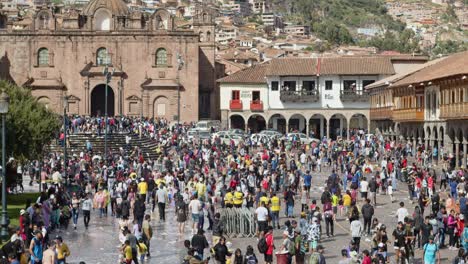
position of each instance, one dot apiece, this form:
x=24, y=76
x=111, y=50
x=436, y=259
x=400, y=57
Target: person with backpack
x=250, y=257
x=266, y=245
x=181, y=213
x=221, y=251
x=431, y=254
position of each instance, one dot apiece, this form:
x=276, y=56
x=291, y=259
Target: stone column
x=287, y=126
x=328, y=128
x=307, y=127
x=414, y=145
x=247, y=126
x=426, y=143
x=347, y=129
x=228, y=122
x=457, y=152
x=465, y=150
x=439, y=150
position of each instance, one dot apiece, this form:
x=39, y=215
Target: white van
x=206, y=125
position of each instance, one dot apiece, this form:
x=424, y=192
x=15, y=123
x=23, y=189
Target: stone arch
x=256, y=122
x=161, y=107
x=98, y=98
x=236, y=121
x=278, y=122
x=45, y=100
x=162, y=20
x=297, y=122
x=3, y=21
x=102, y=20
x=441, y=137
x=428, y=133
x=358, y=121
x=44, y=20
x=43, y=57
x=317, y=126
x=338, y=124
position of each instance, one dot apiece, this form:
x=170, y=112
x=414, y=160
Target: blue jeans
x=62, y=261
x=290, y=209
x=75, y=214
x=441, y=237
x=275, y=218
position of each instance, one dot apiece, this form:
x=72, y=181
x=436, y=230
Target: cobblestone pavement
x=99, y=244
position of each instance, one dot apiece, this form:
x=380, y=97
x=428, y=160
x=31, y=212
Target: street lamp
x=108, y=75
x=65, y=105
x=180, y=64
x=4, y=103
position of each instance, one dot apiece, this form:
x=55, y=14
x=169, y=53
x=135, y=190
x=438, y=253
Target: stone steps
x=77, y=143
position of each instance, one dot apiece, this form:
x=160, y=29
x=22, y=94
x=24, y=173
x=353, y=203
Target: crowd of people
x=201, y=178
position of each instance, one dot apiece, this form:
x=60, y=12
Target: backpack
x=251, y=259
x=262, y=245
x=314, y=258
x=292, y=246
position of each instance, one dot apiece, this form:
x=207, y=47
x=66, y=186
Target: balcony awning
x=160, y=83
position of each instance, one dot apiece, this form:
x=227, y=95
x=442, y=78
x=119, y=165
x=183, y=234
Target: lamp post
x=4, y=103
x=180, y=64
x=108, y=76
x=65, y=105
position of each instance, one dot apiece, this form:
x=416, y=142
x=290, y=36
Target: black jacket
x=221, y=251
x=367, y=211
x=218, y=228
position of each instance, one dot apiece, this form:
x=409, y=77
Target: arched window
x=161, y=57
x=43, y=57
x=103, y=57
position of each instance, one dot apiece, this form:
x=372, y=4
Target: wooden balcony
x=354, y=96
x=235, y=105
x=454, y=111
x=381, y=113
x=408, y=115
x=300, y=96
x=256, y=106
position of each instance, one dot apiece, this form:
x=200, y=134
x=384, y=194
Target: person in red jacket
x=271, y=246
x=366, y=258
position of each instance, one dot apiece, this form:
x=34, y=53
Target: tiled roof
x=397, y=77
x=456, y=64
x=293, y=67
x=254, y=75
x=356, y=66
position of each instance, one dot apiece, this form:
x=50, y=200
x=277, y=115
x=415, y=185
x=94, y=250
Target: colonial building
x=149, y=56
x=426, y=106
x=317, y=96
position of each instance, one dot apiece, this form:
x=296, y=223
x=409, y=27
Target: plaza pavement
x=100, y=245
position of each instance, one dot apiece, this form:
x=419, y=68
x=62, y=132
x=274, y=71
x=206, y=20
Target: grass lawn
x=16, y=202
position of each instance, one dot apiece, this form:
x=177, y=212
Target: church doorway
x=98, y=100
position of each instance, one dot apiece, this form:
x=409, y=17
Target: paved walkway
x=100, y=244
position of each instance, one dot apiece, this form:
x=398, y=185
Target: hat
x=22, y=212
x=58, y=238
x=52, y=196
x=461, y=217
x=431, y=237
x=381, y=244
x=142, y=179
x=297, y=230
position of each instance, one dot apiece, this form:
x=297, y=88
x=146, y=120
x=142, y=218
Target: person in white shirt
x=194, y=207
x=364, y=188
x=262, y=217
x=402, y=212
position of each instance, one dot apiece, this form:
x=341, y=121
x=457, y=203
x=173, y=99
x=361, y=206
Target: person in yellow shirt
x=346, y=201
x=274, y=210
x=160, y=181
x=238, y=199
x=62, y=250
x=334, y=201
x=201, y=189
x=142, y=250
x=228, y=198
x=127, y=252
x=265, y=199
x=143, y=188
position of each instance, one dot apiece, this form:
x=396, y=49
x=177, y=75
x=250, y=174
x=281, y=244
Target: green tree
x=29, y=124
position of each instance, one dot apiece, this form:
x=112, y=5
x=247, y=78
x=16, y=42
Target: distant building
x=297, y=30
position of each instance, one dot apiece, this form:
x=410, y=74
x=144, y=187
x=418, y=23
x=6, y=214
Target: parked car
x=219, y=133
x=238, y=132
x=260, y=138
x=226, y=139
x=303, y=138
x=206, y=125
x=271, y=132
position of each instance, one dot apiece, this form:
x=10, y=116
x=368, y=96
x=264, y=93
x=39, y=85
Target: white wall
x=328, y=98
x=245, y=94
